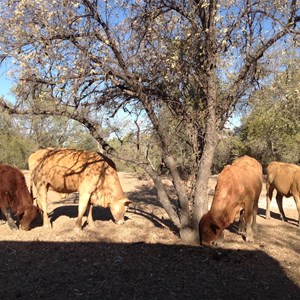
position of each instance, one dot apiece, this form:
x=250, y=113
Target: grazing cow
x=285, y=179
x=91, y=174
x=237, y=193
x=33, y=160
x=15, y=197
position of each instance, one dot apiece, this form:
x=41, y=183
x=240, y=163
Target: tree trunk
x=163, y=196
x=184, y=214
x=190, y=234
x=201, y=198
x=211, y=141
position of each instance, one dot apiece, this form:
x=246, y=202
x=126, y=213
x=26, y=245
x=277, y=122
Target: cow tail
x=31, y=187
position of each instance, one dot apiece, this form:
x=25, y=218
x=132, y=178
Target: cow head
x=30, y=213
x=118, y=209
x=210, y=233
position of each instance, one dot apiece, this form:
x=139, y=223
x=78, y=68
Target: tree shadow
x=71, y=211
x=44, y=270
x=233, y=228
x=104, y=214
x=157, y=222
x=144, y=196
x=274, y=215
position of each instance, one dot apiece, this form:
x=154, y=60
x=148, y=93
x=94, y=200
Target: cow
x=237, y=193
x=285, y=179
x=15, y=197
x=91, y=174
x=33, y=160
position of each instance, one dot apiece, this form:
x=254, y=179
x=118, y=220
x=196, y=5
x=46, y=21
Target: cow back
x=237, y=183
x=282, y=176
x=71, y=170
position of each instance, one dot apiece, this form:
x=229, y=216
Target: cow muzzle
x=119, y=222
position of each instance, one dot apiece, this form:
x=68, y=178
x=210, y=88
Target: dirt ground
x=144, y=258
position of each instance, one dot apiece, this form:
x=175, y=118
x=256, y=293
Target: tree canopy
x=272, y=128
x=178, y=68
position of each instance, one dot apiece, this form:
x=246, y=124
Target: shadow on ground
x=142, y=198
x=276, y=216
x=42, y=270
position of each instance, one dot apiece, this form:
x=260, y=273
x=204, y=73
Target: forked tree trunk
x=211, y=139
x=190, y=235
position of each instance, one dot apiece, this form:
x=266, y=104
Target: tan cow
x=33, y=160
x=285, y=179
x=92, y=174
x=237, y=193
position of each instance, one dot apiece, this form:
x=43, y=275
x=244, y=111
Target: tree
x=22, y=135
x=192, y=61
x=59, y=132
x=271, y=130
x=15, y=147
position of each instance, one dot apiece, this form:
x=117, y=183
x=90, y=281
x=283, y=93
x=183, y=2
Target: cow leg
x=9, y=219
x=248, y=220
x=42, y=203
x=249, y=232
x=84, y=199
x=279, y=203
x=297, y=201
x=242, y=225
x=91, y=222
x=254, y=214
x=269, y=195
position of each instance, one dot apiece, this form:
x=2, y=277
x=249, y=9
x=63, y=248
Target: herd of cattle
x=95, y=178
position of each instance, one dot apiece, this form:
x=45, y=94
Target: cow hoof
x=77, y=229
x=25, y=228
x=250, y=240
x=120, y=222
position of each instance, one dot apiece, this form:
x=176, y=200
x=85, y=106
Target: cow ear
x=214, y=228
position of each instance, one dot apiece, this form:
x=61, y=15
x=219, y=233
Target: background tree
x=14, y=147
x=271, y=131
x=22, y=135
x=192, y=61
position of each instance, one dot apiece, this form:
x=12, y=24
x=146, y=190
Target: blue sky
x=5, y=86
x=5, y=83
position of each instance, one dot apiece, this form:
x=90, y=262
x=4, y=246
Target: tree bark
x=163, y=196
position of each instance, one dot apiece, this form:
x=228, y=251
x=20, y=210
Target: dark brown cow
x=15, y=197
x=238, y=189
x=91, y=174
x=285, y=179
